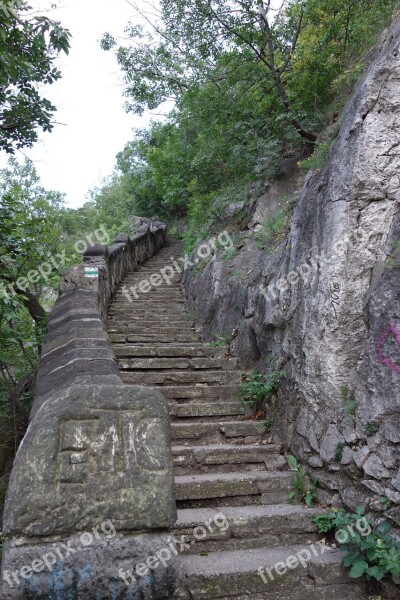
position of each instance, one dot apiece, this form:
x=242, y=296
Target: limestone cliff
x=326, y=302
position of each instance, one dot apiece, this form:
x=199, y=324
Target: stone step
x=148, y=351
x=154, y=329
x=243, y=527
x=206, y=432
x=165, y=338
x=268, y=487
x=311, y=572
x=228, y=364
x=226, y=458
x=201, y=392
x=180, y=377
x=207, y=409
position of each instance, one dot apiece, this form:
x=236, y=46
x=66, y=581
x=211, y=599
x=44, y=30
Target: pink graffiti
x=383, y=336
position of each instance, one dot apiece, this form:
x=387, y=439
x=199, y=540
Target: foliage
x=385, y=502
x=221, y=340
x=270, y=420
x=272, y=230
x=29, y=47
x=369, y=550
x=371, y=428
x=339, y=451
x=229, y=253
x=304, y=488
x=322, y=150
x=256, y=388
x=29, y=238
x=249, y=87
x=349, y=402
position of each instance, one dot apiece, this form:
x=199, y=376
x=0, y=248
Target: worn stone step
x=236, y=575
x=177, y=363
x=201, y=392
x=243, y=527
x=154, y=329
x=149, y=351
x=206, y=432
x=213, y=458
x=207, y=409
x=269, y=487
x=167, y=338
x=181, y=377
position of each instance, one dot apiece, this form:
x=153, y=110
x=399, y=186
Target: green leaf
x=358, y=569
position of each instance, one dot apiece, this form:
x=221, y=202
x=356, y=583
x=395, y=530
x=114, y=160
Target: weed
x=256, y=388
x=385, y=502
x=272, y=230
x=304, y=488
x=339, y=451
x=349, y=403
x=229, y=253
x=270, y=420
x=371, y=428
x=322, y=151
x=221, y=340
x=369, y=550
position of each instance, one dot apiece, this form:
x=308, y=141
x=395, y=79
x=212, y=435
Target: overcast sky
x=76, y=155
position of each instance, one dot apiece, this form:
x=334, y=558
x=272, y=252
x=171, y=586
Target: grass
x=273, y=229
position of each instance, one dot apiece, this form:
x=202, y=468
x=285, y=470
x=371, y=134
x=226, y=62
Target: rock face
x=326, y=302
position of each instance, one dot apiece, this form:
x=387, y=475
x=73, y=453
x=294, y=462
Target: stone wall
x=91, y=492
x=326, y=303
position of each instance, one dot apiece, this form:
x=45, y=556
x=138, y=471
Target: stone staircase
x=232, y=484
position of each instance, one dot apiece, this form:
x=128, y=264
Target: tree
x=192, y=36
x=29, y=47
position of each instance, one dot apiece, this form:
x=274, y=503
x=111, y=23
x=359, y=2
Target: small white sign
x=92, y=272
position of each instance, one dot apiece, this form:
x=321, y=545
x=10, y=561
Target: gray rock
x=374, y=467
x=347, y=456
x=373, y=485
x=392, y=495
x=330, y=443
x=315, y=461
x=91, y=565
x=91, y=452
x=391, y=429
x=361, y=456
x=396, y=481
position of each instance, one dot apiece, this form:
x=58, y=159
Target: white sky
x=76, y=156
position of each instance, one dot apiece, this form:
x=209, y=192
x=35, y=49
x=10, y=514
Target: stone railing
x=91, y=493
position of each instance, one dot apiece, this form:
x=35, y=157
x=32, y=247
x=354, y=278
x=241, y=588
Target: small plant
x=229, y=253
x=273, y=229
x=371, y=428
x=339, y=451
x=385, y=502
x=221, y=340
x=256, y=388
x=349, y=402
x=325, y=521
x=304, y=488
x=370, y=551
x=270, y=420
